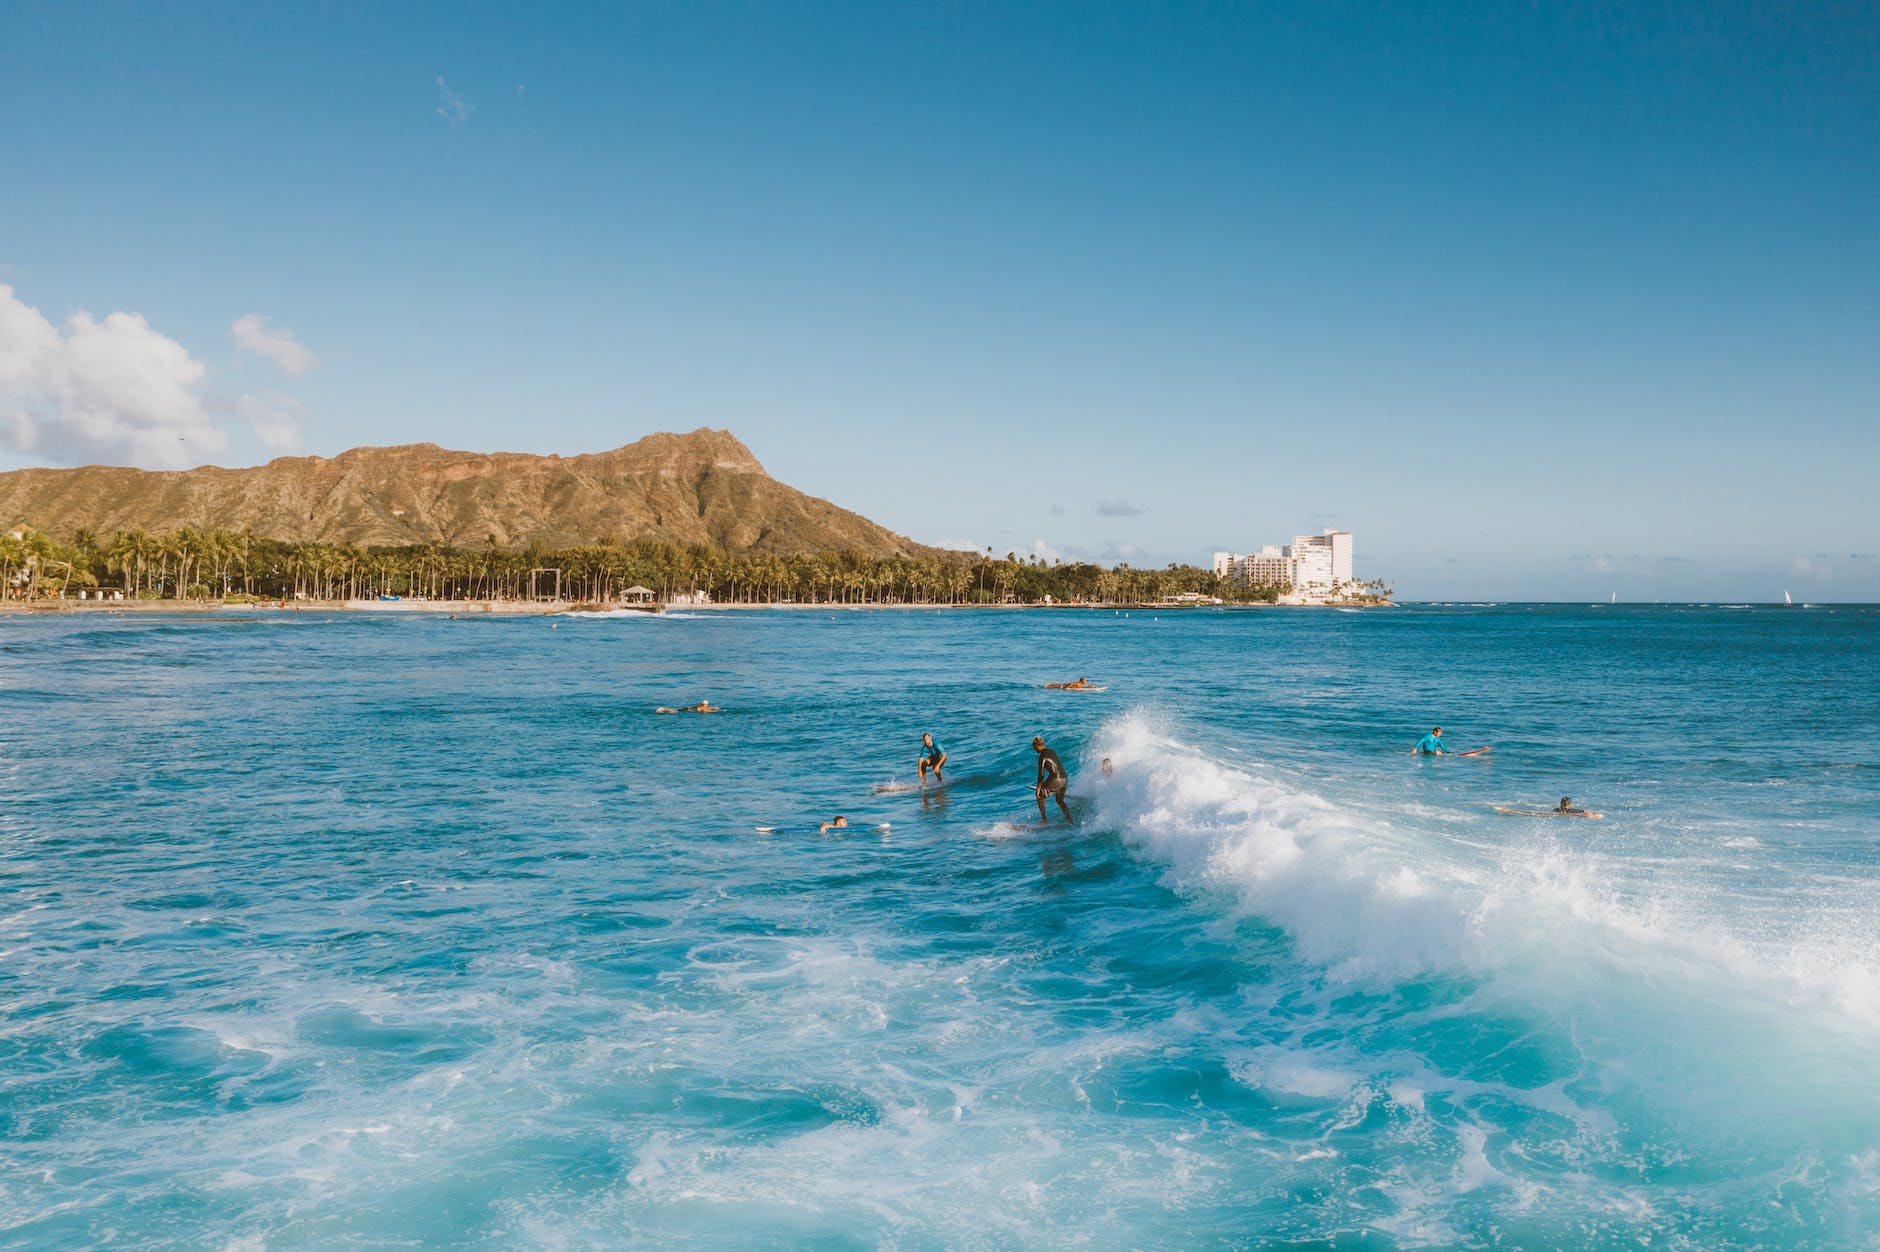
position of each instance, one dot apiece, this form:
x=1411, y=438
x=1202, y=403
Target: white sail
x=1786, y=600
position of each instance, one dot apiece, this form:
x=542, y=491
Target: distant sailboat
x=1615, y=597
x=1786, y=601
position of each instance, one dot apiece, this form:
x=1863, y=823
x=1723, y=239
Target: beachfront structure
x=1321, y=560
x=1309, y=561
x=1269, y=567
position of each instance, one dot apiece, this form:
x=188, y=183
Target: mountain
x=704, y=487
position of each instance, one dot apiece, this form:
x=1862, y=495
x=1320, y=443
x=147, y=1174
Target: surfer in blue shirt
x=1432, y=744
x=933, y=756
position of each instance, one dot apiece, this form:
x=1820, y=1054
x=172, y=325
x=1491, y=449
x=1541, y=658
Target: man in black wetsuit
x=1052, y=781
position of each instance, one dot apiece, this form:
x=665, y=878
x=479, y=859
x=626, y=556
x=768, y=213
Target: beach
x=550, y=608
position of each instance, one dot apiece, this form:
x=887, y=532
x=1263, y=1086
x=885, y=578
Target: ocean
x=347, y=929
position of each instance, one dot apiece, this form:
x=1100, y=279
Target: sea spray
x=1659, y=994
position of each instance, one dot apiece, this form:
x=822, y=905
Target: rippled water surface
x=325, y=929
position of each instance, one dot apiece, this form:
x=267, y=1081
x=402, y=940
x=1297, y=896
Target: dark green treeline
x=211, y=564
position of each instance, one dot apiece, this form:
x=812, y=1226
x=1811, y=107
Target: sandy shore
x=546, y=608
x=447, y=608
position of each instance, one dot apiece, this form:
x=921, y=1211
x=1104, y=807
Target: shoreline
x=552, y=608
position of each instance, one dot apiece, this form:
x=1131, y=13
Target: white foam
x=1009, y=830
x=642, y=615
x=1620, y=944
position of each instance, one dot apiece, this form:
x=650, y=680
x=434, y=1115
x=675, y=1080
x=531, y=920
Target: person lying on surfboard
x=840, y=823
x=1082, y=684
x=703, y=706
x=1566, y=808
x=932, y=757
x=1432, y=744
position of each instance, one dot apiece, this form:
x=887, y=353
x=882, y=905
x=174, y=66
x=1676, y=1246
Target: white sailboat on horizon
x=1787, y=601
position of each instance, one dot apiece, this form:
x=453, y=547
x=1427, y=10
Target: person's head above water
x=839, y=820
x=1566, y=802
x=1037, y=743
x=927, y=739
x=1436, y=730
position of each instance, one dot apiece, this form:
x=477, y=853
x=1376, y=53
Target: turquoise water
x=322, y=930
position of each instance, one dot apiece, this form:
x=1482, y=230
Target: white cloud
x=1117, y=508
x=112, y=390
x=1802, y=567
x=290, y=356
x=960, y=545
x=452, y=107
x=273, y=416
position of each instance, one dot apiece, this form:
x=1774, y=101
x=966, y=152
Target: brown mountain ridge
x=704, y=487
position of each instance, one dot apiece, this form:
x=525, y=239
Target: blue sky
x=1539, y=301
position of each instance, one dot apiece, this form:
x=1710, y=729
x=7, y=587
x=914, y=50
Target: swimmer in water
x=1082, y=684
x=703, y=706
x=840, y=823
x=1432, y=744
x=1565, y=808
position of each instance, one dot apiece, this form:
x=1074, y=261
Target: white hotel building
x=1311, y=563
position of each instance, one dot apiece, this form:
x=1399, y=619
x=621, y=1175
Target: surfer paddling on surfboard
x=1432, y=745
x=1566, y=808
x=932, y=757
x=703, y=706
x=1052, y=782
x=1082, y=684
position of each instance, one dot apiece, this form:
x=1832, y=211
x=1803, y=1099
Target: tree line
x=218, y=564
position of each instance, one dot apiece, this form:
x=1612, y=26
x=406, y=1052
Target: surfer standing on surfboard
x=932, y=757
x=1053, y=781
x=1432, y=744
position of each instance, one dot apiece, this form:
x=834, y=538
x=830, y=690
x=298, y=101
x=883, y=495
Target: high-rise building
x=1310, y=562
x=1321, y=560
x=1268, y=567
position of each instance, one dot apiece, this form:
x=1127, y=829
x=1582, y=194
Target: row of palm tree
x=218, y=564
